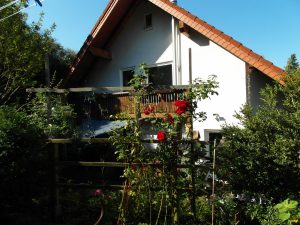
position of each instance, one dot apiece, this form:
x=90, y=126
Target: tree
x=23, y=156
x=292, y=64
x=22, y=54
x=262, y=157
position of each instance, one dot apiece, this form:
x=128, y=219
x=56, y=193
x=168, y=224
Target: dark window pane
x=161, y=75
x=127, y=76
x=148, y=21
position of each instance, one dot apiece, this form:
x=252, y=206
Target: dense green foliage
x=22, y=54
x=24, y=196
x=267, y=148
x=261, y=158
x=23, y=176
x=56, y=119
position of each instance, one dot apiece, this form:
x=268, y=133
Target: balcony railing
x=114, y=100
x=161, y=101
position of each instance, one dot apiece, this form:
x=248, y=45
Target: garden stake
x=213, y=185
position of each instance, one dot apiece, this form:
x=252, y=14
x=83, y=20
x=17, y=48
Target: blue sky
x=269, y=27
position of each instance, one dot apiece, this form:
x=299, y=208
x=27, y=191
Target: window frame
x=207, y=132
x=168, y=63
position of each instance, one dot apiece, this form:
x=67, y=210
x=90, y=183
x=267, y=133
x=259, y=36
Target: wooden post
x=190, y=134
x=190, y=67
x=56, y=180
x=47, y=82
x=54, y=192
x=173, y=182
x=213, y=185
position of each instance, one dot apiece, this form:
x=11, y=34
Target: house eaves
x=99, y=36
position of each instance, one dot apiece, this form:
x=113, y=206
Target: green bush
x=22, y=168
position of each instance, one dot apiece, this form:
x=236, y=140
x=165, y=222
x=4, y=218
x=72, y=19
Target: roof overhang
x=100, y=35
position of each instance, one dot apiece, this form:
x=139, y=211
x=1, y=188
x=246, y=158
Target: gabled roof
x=117, y=9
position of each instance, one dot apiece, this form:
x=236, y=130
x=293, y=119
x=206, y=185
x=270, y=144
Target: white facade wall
x=135, y=45
x=210, y=59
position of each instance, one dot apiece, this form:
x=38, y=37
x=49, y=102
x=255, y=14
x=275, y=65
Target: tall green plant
x=53, y=115
x=153, y=181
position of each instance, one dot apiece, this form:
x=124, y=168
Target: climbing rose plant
x=152, y=179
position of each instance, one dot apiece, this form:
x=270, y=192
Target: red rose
x=182, y=106
x=179, y=111
x=161, y=136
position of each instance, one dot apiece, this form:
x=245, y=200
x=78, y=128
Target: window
x=158, y=75
x=214, y=136
x=127, y=76
x=148, y=21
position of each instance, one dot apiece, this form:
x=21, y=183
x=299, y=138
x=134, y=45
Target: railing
x=161, y=101
x=113, y=100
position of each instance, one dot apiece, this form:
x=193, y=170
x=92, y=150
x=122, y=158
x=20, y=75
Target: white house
x=173, y=43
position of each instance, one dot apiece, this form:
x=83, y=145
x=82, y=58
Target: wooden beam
x=183, y=28
x=86, y=140
x=101, y=53
x=122, y=165
x=99, y=90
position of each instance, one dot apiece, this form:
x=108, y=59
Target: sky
x=268, y=27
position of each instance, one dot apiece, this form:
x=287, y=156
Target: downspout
x=176, y=68
x=174, y=42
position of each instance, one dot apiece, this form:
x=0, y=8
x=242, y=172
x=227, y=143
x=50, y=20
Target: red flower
x=182, y=106
x=148, y=110
x=98, y=192
x=161, y=136
x=179, y=111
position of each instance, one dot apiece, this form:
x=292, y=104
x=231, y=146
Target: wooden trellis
x=162, y=99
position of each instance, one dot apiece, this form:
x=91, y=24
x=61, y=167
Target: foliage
x=151, y=193
x=266, y=147
x=286, y=212
x=89, y=206
x=292, y=64
x=22, y=174
x=22, y=54
x=60, y=120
